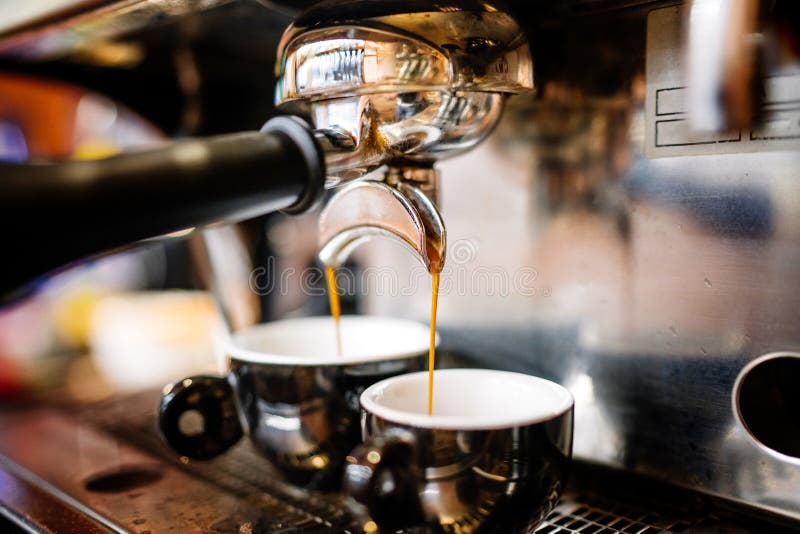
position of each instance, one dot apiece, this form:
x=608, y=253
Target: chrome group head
x=401, y=85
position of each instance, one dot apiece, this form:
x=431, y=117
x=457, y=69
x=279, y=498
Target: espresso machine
x=608, y=189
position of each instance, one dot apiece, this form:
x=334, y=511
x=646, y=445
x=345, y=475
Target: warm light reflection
x=180, y=233
x=111, y=54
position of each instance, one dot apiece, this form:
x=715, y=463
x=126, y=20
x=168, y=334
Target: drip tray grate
x=598, y=500
x=577, y=515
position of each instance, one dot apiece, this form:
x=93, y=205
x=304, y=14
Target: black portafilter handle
x=211, y=400
x=54, y=214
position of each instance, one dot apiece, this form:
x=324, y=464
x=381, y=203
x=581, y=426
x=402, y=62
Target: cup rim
x=501, y=421
x=416, y=338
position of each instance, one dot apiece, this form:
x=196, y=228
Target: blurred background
x=96, y=305
x=130, y=319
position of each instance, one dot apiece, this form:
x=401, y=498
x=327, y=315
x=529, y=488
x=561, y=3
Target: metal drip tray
x=240, y=492
x=589, y=514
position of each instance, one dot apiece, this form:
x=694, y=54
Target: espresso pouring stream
x=333, y=298
x=336, y=310
x=432, y=346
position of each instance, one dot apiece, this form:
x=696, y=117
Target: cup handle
x=198, y=417
x=382, y=482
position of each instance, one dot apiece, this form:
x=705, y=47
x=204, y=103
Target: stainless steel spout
x=397, y=209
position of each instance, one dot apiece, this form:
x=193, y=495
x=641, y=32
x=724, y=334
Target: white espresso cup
x=492, y=457
x=291, y=391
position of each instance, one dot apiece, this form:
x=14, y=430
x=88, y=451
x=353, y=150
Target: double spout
x=400, y=206
x=397, y=207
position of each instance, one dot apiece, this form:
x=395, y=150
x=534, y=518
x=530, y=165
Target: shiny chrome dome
x=401, y=81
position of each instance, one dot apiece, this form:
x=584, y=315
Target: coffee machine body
x=600, y=239
x=631, y=231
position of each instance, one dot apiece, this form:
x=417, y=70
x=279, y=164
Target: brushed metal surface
x=31, y=509
x=48, y=450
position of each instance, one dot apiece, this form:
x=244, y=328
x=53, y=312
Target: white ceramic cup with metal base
x=493, y=456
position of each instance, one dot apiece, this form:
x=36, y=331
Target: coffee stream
x=336, y=311
x=432, y=346
x=333, y=298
